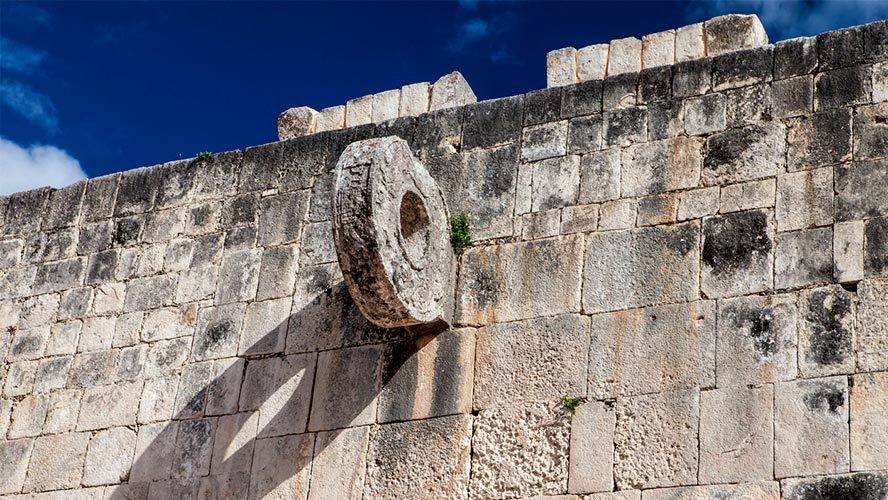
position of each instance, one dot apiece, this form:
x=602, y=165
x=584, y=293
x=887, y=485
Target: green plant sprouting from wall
x=460, y=237
x=203, y=154
x=571, y=404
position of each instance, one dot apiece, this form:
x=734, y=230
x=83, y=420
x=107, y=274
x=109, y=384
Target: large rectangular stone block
x=109, y=405
x=737, y=435
x=339, y=464
x=643, y=267
x=555, y=183
x=826, y=332
x=746, y=491
x=811, y=427
x=661, y=166
x=803, y=258
x=520, y=280
x=861, y=486
x=493, y=123
x=15, y=455
x=655, y=349
x=875, y=248
x=423, y=459
x=556, y=347
x=736, y=256
x=742, y=68
x=756, y=340
x=656, y=440
x=520, y=451
x=872, y=325
x=744, y=154
x=592, y=448
x=733, y=32
x=281, y=467
x=843, y=87
x=871, y=132
x=861, y=188
x=869, y=434
x=544, y=141
x=804, y=199
x=561, y=67
x=705, y=114
x=600, y=176
x=346, y=388
x=820, y=139
x=56, y=462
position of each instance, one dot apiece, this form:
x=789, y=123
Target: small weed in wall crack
x=460, y=239
x=571, y=404
x=203, y=154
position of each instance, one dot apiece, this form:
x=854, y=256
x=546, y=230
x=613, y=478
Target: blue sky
x=93, y=88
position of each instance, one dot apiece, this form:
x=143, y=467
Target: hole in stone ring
x=415, y=227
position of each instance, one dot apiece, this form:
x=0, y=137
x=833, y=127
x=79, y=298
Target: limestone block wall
x=699, y=252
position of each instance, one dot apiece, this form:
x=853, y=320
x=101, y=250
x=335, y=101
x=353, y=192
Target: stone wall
x=700, y=251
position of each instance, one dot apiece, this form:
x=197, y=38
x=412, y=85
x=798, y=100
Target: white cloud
x=786, y=19
x=34, y=106
x=23, y=168
x=17, y=57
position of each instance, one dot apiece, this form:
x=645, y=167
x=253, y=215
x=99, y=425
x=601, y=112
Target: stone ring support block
x=392, y=235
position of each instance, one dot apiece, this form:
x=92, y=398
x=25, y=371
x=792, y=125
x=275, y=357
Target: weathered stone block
x=691, y=78
x=839, y=48
x=794, y=57
x=748, y=105
x=658, y=49
x=158, y=397
x=871, y=132
x=826, y=332
x=581, y=99
x=15, y=455
x=20, y=378
x=624, y=56
x=591, y=448
x=280, y=389
x=655, y=85
x=624, y=127
x=880, y=82
x=584, y=134
x=804, y=199
x=756, y=340
x=843, y=87
x=737, y=254
x=656, y=440
x=656, y=265
x=875, y=248
x=811, y=427
x=748, y=195
x=332, y=118
x=339, y=464
x=317, y=244
x=619, y=91
x=655, y=349
x=294, y=122
x=493, y=123
x=155, y=444
x=62, y=413
x=705, y=114
x=745, y=491
x=424, y=459
x=385, y=105
x=690, y=42
x=660, y=166
x=592, y=62
x=740, y=69
x=872, y=325
x=869, y=436
x=818, y=140
x=600, y=176
x=860, y=190
x=579, y=219
x=56, y=462
x=191, y=395
x=698, y=203
x=803, y=258
x=558, y=347
x=239, y=277
x=52, y=374
x=848, y=251
x=357, y=369
x=744, y=154
x=197, y=284
x=265, y=327
x=193, y=448
x=63, y=207
x=92, y=368
x=59, y=275
x=446, y=359
x=542, y=106
x=109, y=405
x=28, y=416
x=109, y=456
x=137, y=191
x=520, y=452
x=556, y=183
x=561, y=67
x=96, y=334
x=733, y=32
x=666, y=122
x=793, y=97
x=544, y=141
x=414, y=99
x=736, y=435
x=863, y=486
x=536, y=225
x=147, y=293
x=223, y=392
x=515, y=281
x=281, y=217
x=657, y=209
x=358, y=111
x=99, y=198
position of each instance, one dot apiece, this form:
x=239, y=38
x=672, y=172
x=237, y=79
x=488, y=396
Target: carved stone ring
x=392, y=234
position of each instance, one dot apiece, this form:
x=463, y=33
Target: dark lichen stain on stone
x=760, y=331
x=497, y=179
x=825, y=397
x=727, y=147
x=26, y=345
x=830, y=340
x=682, y=239
x=876, y=250
x=218, y=331
x=485, y=288
x=127, y=231
x=862, y=486
x=733, y=242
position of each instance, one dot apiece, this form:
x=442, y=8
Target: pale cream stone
x=869, y=423
x=736, y=434
x=415, y=99
x=109, y=456
x=746, y=491
x=848, y=251
x=340, y=461
x=359, y=111
x=592, y=62
x=536, y=225
x=698, y=203
x=56, y=462
x=880, y=82
x=811, y=432
x=624, y=56
x=332, y=118
x=733, y=32
x=592, y=448
x=15, y=455
x=281, y=467
x=109, y=298
x=561, y=67
x=748, y=195
x=617, y=214
x=233, y=445
x=579, y=219
x=872, y=325
x=450, y=91
x=386, y=105
x=658, y=49
x=109, y=405
x=296, y=122
x=689, y=43
x=804, y=199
